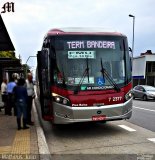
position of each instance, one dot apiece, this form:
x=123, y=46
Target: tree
x=26, y=69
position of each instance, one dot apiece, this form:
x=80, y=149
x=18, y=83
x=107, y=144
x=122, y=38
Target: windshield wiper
x=109, y=78
x=64, y=78
x=86, y=72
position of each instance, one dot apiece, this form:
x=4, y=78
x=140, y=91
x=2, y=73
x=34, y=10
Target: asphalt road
x=144, y=114
x=117, y=139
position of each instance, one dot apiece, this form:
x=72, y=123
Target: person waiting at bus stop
x=20, y=98
x=10, y=101
x=31, y=96
x=4, y=92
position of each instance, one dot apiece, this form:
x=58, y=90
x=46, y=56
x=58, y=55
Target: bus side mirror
x=131, y=57
x=130, y=50
x=46, y=45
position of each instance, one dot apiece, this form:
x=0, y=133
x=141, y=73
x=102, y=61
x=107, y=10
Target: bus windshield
x=76, y=61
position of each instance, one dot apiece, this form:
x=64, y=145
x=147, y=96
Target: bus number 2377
x=114, y=99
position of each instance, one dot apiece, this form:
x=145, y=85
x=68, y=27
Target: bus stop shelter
x=5, y=41
x=7, y=65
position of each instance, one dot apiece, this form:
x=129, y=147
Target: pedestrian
x=31, y=96
x=10, y=101
x=4, y=92
x=20, y=98
x=15, y=77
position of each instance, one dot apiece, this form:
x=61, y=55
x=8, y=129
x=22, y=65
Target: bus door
x=44, y=83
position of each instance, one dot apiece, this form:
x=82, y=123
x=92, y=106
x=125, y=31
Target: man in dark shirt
x=20, y=94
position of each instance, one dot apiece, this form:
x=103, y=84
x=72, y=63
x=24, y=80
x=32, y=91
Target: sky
x=31, y=20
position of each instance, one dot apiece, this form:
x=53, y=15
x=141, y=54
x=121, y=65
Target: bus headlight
x=57, y=99
x=60, y=99
x=128, y=95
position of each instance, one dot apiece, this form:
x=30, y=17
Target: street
x=144, y=114
x=116, y=137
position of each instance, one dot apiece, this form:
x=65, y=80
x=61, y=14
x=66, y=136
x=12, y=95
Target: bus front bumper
x=66, y=114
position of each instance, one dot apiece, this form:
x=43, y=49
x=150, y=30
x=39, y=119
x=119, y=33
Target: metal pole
x=27, y=61
x=133, y=36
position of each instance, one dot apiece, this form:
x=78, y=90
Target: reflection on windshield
x=86, y=73
x=109, y=78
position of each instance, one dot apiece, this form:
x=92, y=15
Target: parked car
x=144, y=92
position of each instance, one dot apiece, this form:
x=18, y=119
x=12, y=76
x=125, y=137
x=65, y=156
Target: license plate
x=99, y=118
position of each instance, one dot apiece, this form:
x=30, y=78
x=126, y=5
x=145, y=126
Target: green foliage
x=7, y=54
x=26, y=69
x=26, y=66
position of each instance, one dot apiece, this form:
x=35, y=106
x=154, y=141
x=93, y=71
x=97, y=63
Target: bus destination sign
x=90, y=44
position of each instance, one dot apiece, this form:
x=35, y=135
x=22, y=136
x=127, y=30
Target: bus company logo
x=83, y=88
x=80, y=105
x=8, y=7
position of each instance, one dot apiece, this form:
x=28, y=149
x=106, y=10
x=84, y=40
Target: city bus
x=84, y=75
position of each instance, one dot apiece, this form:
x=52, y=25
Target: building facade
x=144, y=69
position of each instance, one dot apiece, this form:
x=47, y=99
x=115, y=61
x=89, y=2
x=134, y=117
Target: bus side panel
x=45, y=101
x=40, y=80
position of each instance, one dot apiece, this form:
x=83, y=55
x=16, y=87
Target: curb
x=42, y=144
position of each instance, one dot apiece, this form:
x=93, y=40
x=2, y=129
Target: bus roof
x=83, y=31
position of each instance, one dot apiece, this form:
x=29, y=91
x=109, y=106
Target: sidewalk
x=13, y=142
